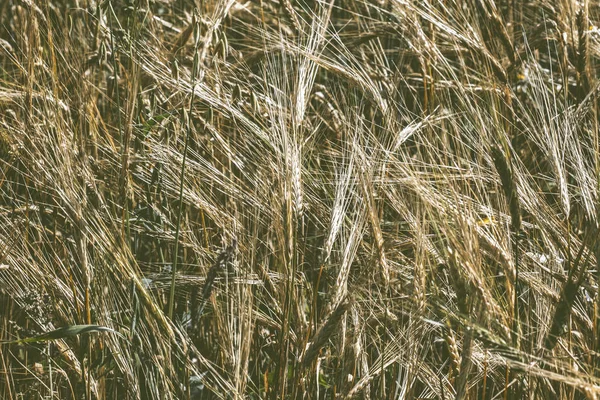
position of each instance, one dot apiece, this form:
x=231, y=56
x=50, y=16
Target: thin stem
x=181, y=177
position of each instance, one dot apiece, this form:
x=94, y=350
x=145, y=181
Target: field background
x=297, y=199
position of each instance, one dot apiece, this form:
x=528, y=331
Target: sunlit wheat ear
x=450, y=341
x=292, y=15
x=582, y=52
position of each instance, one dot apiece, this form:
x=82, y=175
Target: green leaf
x=147, y=126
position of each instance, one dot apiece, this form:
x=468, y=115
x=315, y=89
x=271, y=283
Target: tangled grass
x=299, y=199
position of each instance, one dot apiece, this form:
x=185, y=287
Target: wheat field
x=299, y=199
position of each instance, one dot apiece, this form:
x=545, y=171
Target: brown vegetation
x=299, y=199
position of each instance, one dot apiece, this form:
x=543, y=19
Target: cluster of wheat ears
x=299, y=199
